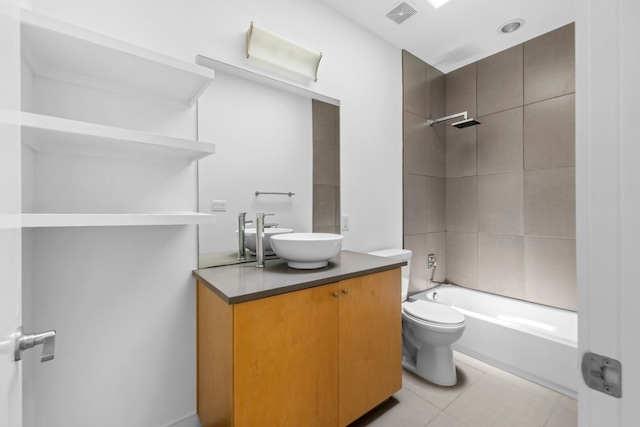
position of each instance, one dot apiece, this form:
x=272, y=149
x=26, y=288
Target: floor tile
x=446, y=420
x=526, y=385
x=484, y=397
x=470, y=361
x=441, y=396
x=491, y=402
x=569, y=403
x=562, y=417
x=404, y=409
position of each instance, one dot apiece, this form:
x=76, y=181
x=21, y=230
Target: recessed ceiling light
x=511, y=26
x=437, y=3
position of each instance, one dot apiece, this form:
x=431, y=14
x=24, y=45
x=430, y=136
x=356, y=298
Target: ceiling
x=459, y=32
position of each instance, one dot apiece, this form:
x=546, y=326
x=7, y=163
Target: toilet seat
x=433, y=312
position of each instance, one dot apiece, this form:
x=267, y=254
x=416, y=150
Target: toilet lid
x=434, y=312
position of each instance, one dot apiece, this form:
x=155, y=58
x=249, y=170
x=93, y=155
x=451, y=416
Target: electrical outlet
x=218, y=206
x=345, y=223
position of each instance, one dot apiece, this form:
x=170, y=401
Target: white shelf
x=56, y=135
x=61, y=51
x=40, y=220
x=264, y=80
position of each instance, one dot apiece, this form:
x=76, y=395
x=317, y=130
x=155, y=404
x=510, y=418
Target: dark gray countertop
x=244, y=282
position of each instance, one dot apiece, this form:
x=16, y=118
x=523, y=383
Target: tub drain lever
x=602, y=373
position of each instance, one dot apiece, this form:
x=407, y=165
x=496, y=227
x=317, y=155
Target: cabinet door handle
x=345, y=291
x=335, y=294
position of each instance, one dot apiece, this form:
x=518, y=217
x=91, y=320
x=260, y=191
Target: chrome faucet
x=260, y=239
x=242, y=221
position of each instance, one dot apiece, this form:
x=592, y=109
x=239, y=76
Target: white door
x=608, y=201
x=10, y=232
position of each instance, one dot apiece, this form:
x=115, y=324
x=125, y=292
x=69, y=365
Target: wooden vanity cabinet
x=321, y=356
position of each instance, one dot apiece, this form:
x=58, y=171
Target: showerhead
x=465, y=123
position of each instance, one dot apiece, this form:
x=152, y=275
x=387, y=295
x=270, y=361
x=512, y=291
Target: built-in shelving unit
x=56, y=135
x=110, y=220
x=58, y=51
x=61, y=51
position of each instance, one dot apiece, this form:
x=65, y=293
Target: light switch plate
x=218, y=206
x=345, y=223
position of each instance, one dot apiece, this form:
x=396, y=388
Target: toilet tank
x=401, y=254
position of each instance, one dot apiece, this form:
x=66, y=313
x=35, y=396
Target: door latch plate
x=602, y=373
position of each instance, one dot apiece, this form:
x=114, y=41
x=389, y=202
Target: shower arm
x=444, y=119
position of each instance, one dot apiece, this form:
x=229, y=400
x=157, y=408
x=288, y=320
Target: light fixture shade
x=265, y=46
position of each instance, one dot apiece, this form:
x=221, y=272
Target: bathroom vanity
x=285, y=347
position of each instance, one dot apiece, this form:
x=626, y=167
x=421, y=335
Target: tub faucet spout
x=431, y=265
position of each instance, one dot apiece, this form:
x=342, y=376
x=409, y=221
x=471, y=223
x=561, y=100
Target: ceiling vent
x=401, y=13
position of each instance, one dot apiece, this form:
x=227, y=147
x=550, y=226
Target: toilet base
x=434, y=364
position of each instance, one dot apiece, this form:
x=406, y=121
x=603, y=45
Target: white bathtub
x=533, y=341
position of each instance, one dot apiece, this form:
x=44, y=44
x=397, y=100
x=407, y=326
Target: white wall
x=358, y=68
x=132, y=287
x=263, y=143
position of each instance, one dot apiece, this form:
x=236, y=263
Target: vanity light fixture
x=265, y=47
x=511, y=26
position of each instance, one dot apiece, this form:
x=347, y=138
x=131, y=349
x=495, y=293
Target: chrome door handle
x=26, y=341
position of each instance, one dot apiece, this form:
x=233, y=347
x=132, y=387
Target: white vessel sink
x=307, y=250
x=250, y=238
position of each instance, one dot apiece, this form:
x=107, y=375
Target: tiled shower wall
x=326, y=167
x=510, y=182
x=424, y=169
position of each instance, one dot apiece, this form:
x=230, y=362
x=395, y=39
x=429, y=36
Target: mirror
x=269, y=138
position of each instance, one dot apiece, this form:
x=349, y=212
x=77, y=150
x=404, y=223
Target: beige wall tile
x=326, y=166
x=324, y=205
x=501, y=264
x=436, y=94
x=324, y=122
x=549, y=65
x=549, y=133
x=460, y=151
x=461, y=90
x=436, y=150
x=549, y=203
x=462, y=259
x=415, y=144
x=414, y=84
x=421, y=245
x=500, y=81
x=550, y=271
x=435, y=204
x=501, y=203
x=415, y=204
x=437, y=245
x=500, y=142
x=335, y=229
x=417, y=243
x=461, y=201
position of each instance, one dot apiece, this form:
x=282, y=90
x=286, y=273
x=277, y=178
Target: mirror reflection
x=268, y=140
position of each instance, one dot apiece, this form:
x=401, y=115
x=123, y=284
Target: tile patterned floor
x=484, y=397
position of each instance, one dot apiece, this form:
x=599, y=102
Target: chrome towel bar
x=281, y=194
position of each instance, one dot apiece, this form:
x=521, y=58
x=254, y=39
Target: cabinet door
x=370, y=347
x=285, y=370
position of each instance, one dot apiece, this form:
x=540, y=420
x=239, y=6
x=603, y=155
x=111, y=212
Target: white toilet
x=428, y=330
